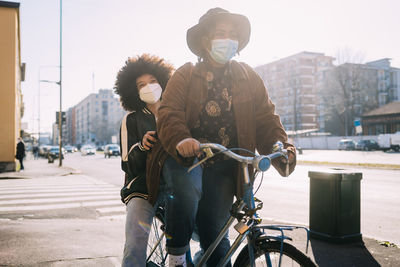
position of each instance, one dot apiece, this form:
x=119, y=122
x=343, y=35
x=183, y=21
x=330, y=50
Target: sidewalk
x=369, y=159
x=36, y=168
x=367, y=253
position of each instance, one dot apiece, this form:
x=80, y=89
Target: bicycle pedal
x=241, y=227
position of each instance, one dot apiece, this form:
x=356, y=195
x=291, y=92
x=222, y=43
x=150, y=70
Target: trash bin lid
x=336, y=173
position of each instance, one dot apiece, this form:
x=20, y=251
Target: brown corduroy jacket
x=258, y=127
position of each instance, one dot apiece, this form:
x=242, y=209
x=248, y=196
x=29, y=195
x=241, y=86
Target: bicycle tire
x=159, y=256
x=290, y=255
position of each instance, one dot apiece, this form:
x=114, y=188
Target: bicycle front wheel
x=156, y=246
x=267, y=253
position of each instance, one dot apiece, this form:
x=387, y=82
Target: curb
x=349, y=164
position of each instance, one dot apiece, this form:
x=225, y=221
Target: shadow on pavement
x=349, y=254
x=9, y=178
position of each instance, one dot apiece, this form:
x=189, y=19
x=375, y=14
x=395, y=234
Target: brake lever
x=209, y=154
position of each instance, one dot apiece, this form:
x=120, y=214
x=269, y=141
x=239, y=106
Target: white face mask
x=150, y=93
x=223, y=50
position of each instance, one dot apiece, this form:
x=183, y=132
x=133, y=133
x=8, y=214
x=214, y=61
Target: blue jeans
x=139, y=217
x=203, y=196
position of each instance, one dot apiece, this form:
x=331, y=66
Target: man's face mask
x=223, y=50
x=150, y=93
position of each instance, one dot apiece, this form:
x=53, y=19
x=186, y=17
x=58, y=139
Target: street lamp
x=59, y=114
x=40, y=68
x=60, y=84
x=45, y=81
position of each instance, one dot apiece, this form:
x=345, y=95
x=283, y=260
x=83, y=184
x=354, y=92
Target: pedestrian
x=221, y=101
x=140, y=84
x=35, y=150
x=20, y=153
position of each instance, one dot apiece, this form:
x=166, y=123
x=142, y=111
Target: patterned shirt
x=216, y=123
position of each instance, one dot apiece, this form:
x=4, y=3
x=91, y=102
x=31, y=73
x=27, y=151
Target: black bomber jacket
x=133, y=156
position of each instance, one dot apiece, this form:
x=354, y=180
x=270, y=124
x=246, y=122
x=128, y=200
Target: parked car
x=54, y=153
x=88, y=150
x=70, y=149
x=367, y=145
x=100, y=148
x=111, y=150
x=44, y=150
x=347, y=144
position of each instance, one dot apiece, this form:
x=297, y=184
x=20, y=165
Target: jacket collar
x=145, y=110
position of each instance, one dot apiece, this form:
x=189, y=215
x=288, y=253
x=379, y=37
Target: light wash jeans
x=139, y=217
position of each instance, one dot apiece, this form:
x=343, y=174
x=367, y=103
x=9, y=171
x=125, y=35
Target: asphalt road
x=287, y=199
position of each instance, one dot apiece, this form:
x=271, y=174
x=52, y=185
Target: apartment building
x=11, y=75
x=95, y=120
x=348, y=91
x=388, y=81
x=292, y=86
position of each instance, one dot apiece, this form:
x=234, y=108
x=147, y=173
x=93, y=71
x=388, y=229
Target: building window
x=379, y=129
x=104, y=108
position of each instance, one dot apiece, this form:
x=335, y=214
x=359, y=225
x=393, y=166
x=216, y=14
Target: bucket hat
x=194, y=34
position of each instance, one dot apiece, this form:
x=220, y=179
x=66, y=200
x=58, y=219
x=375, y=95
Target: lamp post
x=39, y=95
x=60, y=83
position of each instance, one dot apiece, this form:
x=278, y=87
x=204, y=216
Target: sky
x=99, y=35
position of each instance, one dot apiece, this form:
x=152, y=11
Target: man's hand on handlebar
x=188, y=147
x=289, y=160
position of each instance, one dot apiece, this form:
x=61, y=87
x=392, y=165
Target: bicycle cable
x=259, y=185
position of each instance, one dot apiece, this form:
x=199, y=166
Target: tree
x=349, y=90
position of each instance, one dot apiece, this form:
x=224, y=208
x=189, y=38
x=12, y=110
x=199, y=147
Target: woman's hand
x=149, y=139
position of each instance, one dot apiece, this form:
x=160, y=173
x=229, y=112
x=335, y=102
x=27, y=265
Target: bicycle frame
x=253, y=222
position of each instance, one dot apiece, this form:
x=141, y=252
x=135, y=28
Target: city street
x=287, y=199
x=54, y=216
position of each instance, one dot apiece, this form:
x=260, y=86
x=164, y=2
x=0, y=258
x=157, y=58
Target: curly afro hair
x=125, y=85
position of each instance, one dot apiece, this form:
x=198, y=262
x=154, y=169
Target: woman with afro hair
x=139, y=84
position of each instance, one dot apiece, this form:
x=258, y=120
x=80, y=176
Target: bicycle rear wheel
x=156, y=246
x=267, y=254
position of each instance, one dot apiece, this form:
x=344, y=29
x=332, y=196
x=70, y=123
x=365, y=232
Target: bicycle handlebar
x=260, y=162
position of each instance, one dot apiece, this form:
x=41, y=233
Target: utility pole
x=60, y=154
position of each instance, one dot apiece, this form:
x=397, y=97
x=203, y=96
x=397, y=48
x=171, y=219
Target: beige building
x=292, y=85
x=11, y=73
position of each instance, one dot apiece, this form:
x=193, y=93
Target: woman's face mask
x=150, y=93
x=223, y=50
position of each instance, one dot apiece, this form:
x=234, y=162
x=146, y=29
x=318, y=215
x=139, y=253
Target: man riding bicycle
x=221, y=101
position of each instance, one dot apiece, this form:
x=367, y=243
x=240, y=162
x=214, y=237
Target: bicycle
x=262, y=249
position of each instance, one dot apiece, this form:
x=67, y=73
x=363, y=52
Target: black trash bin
x=335, y=205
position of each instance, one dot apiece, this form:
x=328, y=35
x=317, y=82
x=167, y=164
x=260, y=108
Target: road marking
x=61, y=194
x=115, y=261
x=112, y=209
x=20, y=196
x=56, y=200
x=51, y=187
x=61, y=206
x=113, y=217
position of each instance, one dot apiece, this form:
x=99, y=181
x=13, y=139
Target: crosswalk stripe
x=27, y=188
x=113, y=217
x=61, y=206
x=112, y=209
x=60, y=192
x=56, y=200
x=21, y=196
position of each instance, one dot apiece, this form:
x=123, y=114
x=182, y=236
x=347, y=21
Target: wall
x=11, y=99
x=327, y=142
